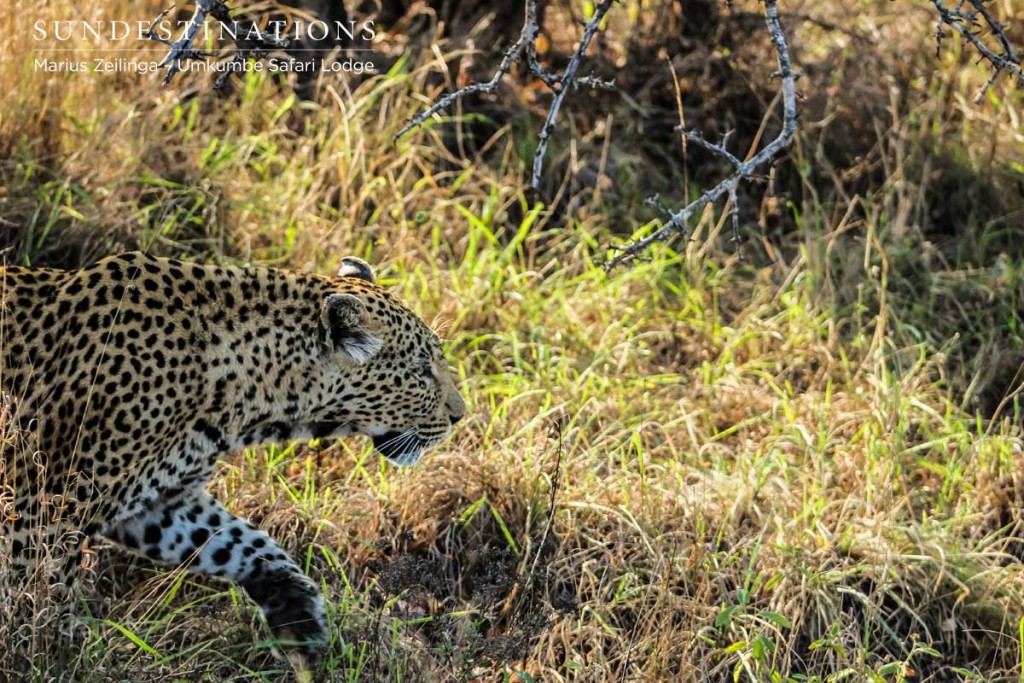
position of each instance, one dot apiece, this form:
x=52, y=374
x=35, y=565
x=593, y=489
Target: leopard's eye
x=427, y=369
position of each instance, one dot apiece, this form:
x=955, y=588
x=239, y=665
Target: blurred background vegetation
x=798, y=458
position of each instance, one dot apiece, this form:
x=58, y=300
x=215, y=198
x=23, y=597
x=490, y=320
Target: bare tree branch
x=678, y=223
x=253, y=43
x=967, y=25
x=527, y=39
x=560, y=84
x=182, y=49
x=567, y=81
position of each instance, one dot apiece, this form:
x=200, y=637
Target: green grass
x=803, y=466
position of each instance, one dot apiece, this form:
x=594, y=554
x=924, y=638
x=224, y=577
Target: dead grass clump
x=38, y=635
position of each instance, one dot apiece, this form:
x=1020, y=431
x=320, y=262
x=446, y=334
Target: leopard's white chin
x=402, y=448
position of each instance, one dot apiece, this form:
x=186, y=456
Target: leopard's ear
x=353, y=266
x=343, y=324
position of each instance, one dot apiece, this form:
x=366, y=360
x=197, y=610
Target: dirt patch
x=477, y=600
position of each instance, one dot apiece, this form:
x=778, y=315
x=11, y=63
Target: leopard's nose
x=456, y=418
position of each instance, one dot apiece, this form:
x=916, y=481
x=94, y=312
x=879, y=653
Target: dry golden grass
x=800, y=467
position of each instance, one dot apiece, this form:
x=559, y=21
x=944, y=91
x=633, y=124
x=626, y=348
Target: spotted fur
x=133, y=375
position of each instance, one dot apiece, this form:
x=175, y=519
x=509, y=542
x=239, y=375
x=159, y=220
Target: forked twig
x=560, y=84
x=967, y=25
x=183, y=49
x=565, y=82
x=678, y=223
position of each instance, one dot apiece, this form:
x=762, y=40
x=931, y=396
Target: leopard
x=134, y=376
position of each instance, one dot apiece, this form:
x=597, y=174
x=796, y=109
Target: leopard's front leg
x=196, y=531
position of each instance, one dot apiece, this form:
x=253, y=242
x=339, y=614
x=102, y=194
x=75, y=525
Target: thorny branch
x=965, y=22
x=183, y=49
x=560, y=84
x=567, y=80
x=678, y=223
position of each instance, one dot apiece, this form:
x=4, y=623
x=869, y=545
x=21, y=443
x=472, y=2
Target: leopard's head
x=389, y=377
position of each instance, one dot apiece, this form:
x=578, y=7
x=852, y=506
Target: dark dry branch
x=527, y=40
x=182, y=49
x=568, y=80
x=253, y=44
x=678, y=223
x=560, y=84
x=966, y=23
x=556, y=481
